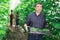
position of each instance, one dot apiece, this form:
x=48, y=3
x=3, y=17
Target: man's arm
x=27, y=22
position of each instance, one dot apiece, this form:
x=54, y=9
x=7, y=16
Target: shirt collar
x=38, y=15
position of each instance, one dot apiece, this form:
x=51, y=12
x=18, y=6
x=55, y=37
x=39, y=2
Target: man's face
x=38, y=8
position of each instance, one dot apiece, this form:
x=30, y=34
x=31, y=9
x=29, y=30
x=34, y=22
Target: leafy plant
x=4, y=13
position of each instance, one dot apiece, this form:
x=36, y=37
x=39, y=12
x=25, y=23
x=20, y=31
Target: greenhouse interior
x=51, y=9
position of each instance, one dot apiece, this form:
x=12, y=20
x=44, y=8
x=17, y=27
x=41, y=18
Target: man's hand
x=26, y=27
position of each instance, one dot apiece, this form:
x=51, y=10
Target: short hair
x=38, y=3
x=11, y=10
x=17, y=12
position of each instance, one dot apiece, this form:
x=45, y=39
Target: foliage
x=4, y=13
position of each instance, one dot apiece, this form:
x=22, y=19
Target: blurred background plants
x=4, y=13
x=51, y=8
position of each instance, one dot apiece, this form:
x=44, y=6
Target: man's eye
x=37, y=6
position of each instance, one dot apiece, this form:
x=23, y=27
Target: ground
x=13, y=34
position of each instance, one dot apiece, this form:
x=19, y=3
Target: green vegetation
x=50, y=8
x=4, y=13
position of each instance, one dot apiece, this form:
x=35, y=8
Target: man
x=17, y=20
x=11, y=17
x=35, y=19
